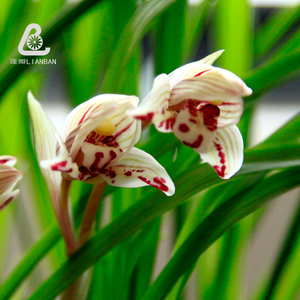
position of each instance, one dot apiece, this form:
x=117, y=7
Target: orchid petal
x=197, y=129
x=98, y=158
x=214, y=84
x=8, y=160
x=7, y=198
x=217, y=86
x=83, y=111
x=226, y=153
x=128, y=129
x=45, y=145
x=137, y=169
x=153, y=107
x=210, y=59
x=62, y=162
x=75, y=138
x=194, y=68
x=9, y=177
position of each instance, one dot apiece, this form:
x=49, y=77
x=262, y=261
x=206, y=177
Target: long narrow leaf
x=216, y=224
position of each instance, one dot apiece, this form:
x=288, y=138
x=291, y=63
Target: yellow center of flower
x=105, y=127
x=216, y=102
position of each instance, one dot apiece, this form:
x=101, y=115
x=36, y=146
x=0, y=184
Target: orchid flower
x=200, y=104
x=9, y=176
x=96, y=145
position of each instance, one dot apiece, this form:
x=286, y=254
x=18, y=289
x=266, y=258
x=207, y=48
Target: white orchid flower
x=9, y=177
x=201, y=105
x=96, y=145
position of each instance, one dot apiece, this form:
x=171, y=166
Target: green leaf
x=196, y=20
x=151, y=205
x=217, y=223
x=233, y=32
x=38, y=251
x=169, y=38
x=270, y=75
x=233, y=24
x=275, y=29
x=86, y=65
x=131, y=35
x=290, y=245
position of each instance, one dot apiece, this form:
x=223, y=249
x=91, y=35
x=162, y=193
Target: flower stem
x=87, y=223
x=91, y=212
x=65, y=219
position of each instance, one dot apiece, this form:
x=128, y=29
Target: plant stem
x=91, y=212
x=65, y=219
x=89, y=217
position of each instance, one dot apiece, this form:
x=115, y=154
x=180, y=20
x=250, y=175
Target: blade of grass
x=122, y=15
x=150, y=206
x=85, y=66
x=143, y=269
x=276, y=28
x=196, y=20
x=169, y=40
x=36, y=253
x=131, y=35
x=233, y=32
x=206, y=203
x=217, y=223
x=271, y=75
x=289, y=245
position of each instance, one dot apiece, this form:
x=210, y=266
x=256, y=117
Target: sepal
x=138, y=169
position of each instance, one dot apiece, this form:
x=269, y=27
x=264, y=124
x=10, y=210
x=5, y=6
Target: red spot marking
x=193, y=121
x=195, y=144
x=210, y=114
x=108, y=172
x=112, y=181
x=95, y=164
x=158, y=183
x=147, y=118
x=123, y=130
x=57, y=166
x=183, y=128
x=220, y=171
x=111, y=142
x=113, y=155
x=228, y=103
x=128, y=173
x=3, y=161
x=169, y=123
x=84, y=174
x=95, y=138
x=192, y=106
x=201, y=73
x=139, y=171
x=221, y=154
